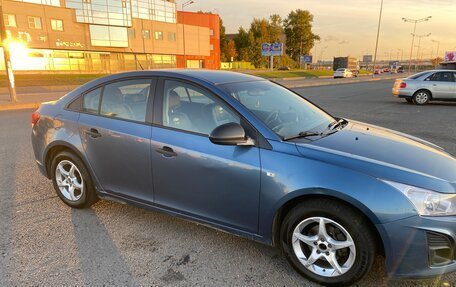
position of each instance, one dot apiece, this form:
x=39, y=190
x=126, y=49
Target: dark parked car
x=255, y=159
x=284, y=68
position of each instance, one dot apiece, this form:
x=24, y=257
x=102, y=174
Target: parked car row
x=421, y=88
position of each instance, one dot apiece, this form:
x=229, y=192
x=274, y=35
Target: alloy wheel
x=323, y=246
x=69, y=180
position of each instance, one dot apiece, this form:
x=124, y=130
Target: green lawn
x=49, y=80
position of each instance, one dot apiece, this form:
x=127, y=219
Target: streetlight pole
x=7, y=58
x=438, y=46
x=419, y=45
x=414, y=21
x=378, y=35
x=185, y=4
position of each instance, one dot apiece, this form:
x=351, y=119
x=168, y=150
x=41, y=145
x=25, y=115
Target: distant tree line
x=295, y=31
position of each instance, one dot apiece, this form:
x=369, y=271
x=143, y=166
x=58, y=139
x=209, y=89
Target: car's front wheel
x=328, y=242
x=72, y=181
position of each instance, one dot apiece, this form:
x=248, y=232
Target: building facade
x=105, y=36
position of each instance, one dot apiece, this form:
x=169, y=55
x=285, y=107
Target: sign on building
x=272, y=49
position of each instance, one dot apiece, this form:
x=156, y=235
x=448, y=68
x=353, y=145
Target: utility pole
x=414, y=21
x=438, y=46
x=419, y=45
x=378, y=35
x=7, y=58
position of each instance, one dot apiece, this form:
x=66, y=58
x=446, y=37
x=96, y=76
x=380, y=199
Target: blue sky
x=349, y=27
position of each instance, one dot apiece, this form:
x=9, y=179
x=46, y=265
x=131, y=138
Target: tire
x=83, y=194
x=421, y=97
x=409, y=100
x=341, y=222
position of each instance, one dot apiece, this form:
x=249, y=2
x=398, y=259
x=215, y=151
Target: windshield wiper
x=302, y=135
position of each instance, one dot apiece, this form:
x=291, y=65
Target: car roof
x=213, y=77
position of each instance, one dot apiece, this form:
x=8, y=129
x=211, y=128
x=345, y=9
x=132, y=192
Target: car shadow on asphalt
x=101, y=261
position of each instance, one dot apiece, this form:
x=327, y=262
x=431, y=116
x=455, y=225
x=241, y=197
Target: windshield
x=283, y=111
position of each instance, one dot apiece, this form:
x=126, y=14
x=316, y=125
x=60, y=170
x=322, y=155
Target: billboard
x=306, y=59
x=450, y=56
x=367, y=58
x=274, y=49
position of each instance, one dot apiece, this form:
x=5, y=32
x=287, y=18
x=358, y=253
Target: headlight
x=427, y=202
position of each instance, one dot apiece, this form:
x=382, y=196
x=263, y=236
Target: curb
x=25, y=106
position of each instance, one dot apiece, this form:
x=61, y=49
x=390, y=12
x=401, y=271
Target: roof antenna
x=136, y=60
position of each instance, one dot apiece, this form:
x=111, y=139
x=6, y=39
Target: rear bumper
x=402, y=93
x=409, y=251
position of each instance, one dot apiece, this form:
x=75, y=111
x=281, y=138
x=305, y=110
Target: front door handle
x=166, y=151
x=93, y=133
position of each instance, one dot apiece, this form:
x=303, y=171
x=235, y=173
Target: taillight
x=403, y=85
x=35, y=118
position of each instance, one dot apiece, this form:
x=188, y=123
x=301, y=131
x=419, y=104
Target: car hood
x=386, y=154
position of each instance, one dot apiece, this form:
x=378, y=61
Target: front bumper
x=409, y=253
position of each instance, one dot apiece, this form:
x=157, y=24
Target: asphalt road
x=43, y=242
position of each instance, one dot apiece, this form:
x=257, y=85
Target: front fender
x=287, y=176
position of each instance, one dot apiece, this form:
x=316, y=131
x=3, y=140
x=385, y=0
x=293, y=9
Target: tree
x=275, y=28
x=231, y=52
x=436, y=61
x=223, y=42
x=242, y=43
x=298, y=31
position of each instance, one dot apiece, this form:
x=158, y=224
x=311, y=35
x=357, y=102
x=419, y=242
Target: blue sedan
x=253, y=158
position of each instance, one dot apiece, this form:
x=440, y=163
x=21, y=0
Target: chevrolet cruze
x=253, y=158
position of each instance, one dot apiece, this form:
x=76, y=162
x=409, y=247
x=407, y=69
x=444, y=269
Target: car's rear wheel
x=421, y=97
x=328, y=242
x=72, y=181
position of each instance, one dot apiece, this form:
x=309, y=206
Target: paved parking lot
x=43, y=242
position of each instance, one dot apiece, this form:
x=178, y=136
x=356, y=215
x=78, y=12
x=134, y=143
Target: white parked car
x=427, y=86
x=343, y=73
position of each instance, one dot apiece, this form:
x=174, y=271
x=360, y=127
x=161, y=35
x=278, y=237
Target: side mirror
x=230, y=134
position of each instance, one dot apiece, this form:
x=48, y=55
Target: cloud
x=343, y=42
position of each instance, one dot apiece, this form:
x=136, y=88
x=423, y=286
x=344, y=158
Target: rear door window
x=126, y=99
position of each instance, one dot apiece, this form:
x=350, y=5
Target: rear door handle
x=166, y=151
x=93, y=133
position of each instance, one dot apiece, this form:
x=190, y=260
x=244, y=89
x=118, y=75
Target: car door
x=453, y=96
x=441, y=85
x=215, y=183
x=116, y=137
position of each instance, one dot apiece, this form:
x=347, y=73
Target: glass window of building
x=34, y=22
x=158, y=35
x=172, y=36
x=212, y=47
x=42, y=2
x=102, y=12
x=146, y=34
x=9, y=20
x=211, y=32
x=56, y=25
x=108, y=36
x=156, y=10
